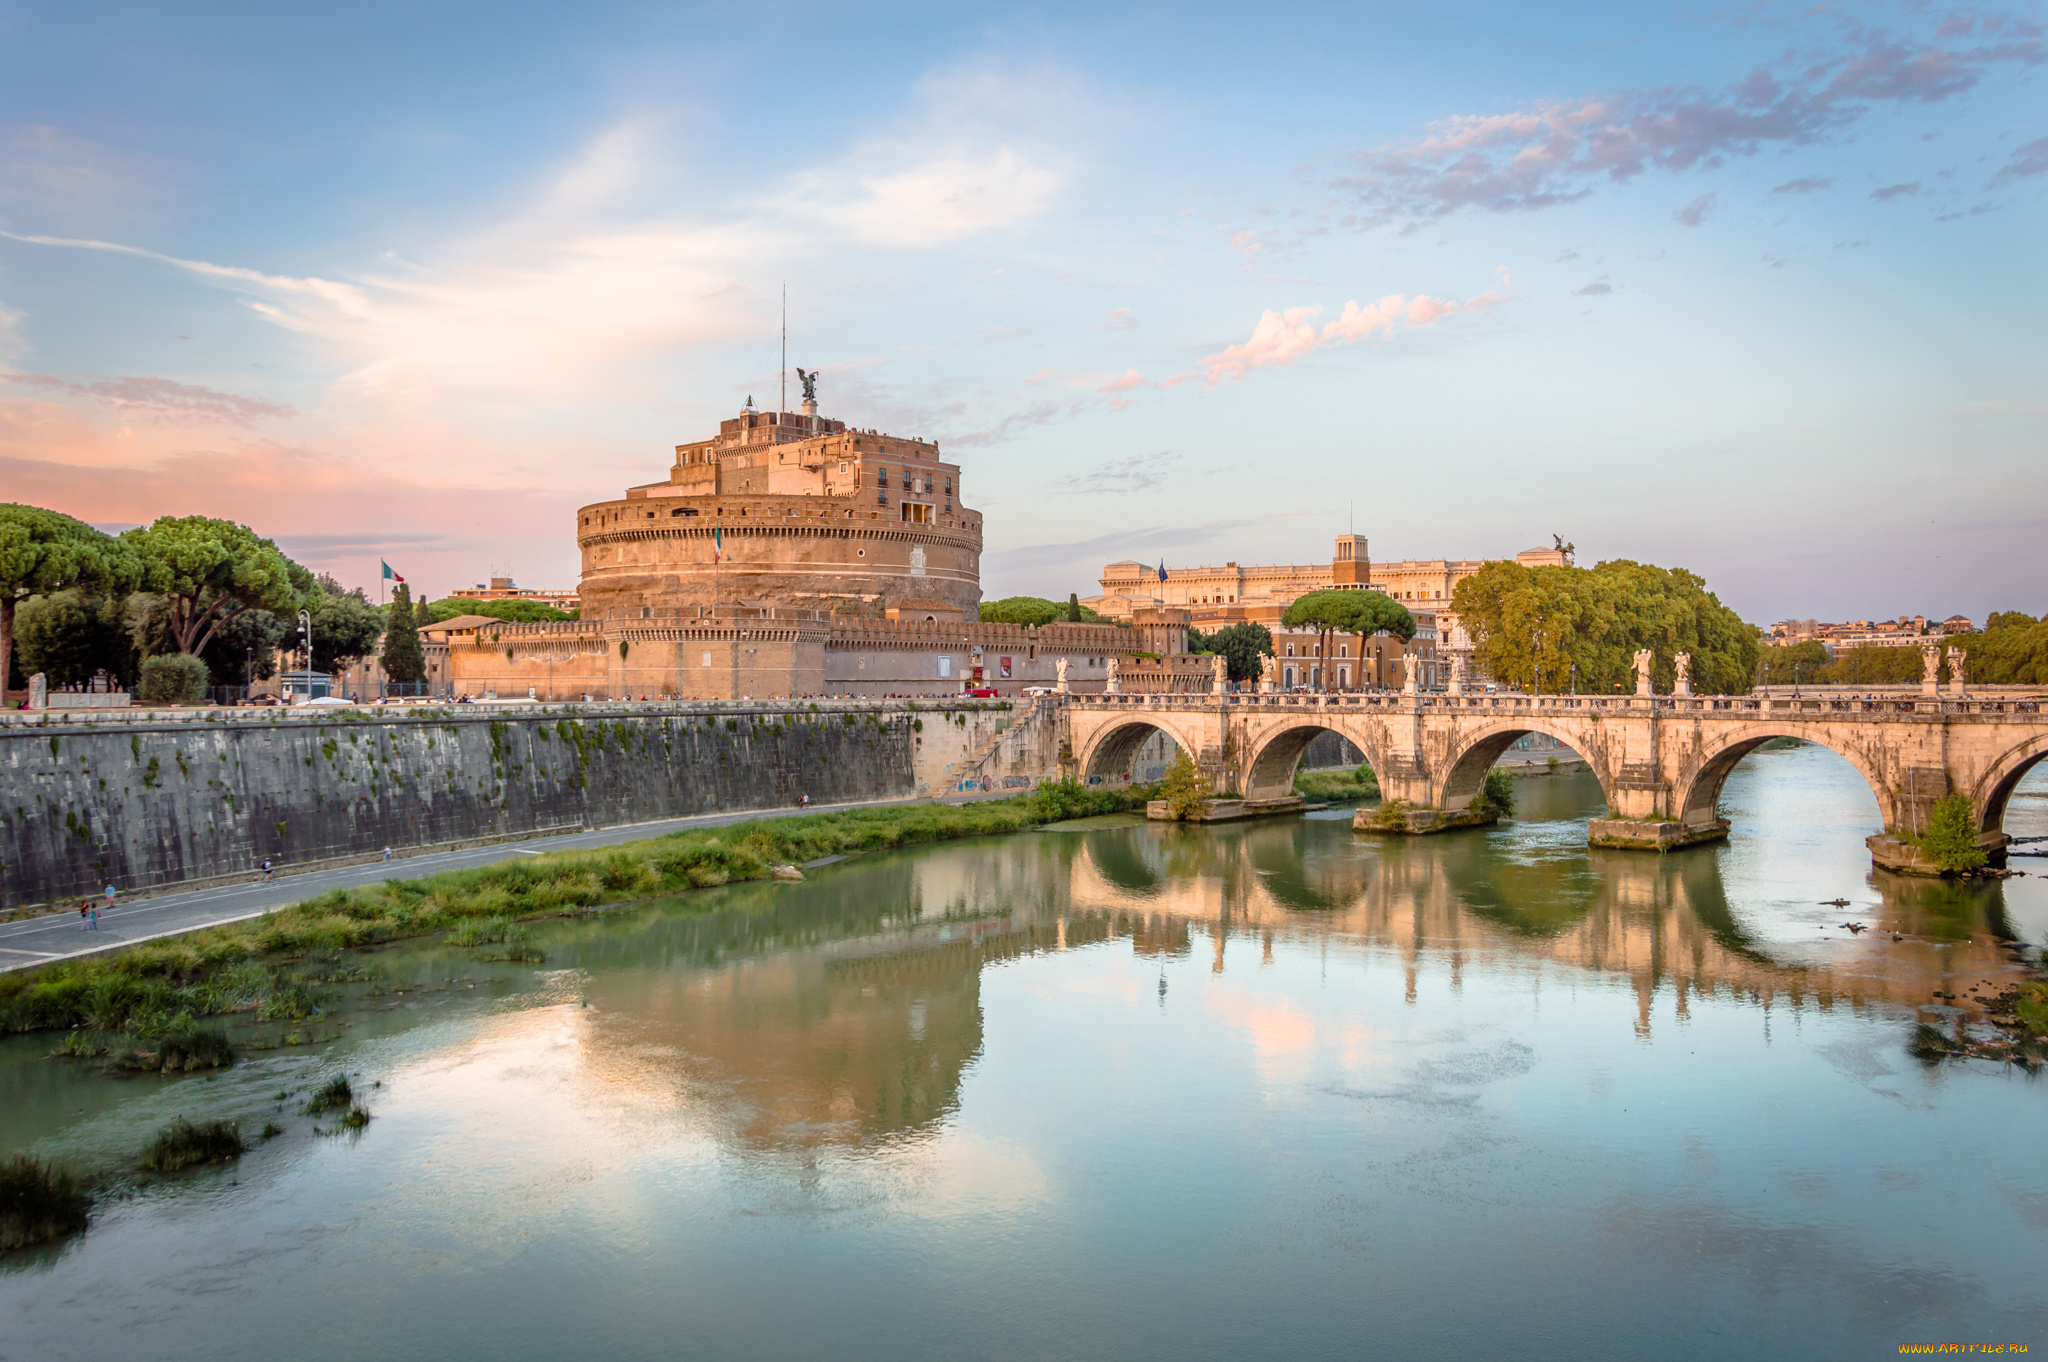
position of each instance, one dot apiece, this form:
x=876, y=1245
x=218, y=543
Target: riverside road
x=34, y=941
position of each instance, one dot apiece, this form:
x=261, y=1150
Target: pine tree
x=403, y=659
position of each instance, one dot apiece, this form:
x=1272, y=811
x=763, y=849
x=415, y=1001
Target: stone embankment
x=146, y=799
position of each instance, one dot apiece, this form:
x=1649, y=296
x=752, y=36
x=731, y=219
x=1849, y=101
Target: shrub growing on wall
x=1951, y=840
x=1184, y=789
x=174, y=679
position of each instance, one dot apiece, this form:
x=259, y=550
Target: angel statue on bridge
x=1643, y=659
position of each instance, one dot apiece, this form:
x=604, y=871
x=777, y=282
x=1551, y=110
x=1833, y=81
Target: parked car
x=980, y=692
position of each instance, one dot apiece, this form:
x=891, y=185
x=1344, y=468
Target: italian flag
x=717, y=545
x=389, y=575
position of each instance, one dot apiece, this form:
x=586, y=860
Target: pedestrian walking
x=84, y=908
x=268, y=873
x=110, y=898
x=95, y=919
x=387, y=853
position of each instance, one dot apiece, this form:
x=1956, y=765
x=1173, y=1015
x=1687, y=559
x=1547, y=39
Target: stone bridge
x=1661, y=760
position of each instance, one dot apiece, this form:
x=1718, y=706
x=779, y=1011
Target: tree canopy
x=511, y=611
x=70, y=635
x=2011, y=650
x=209, y=571
x=404, y=659
x=1241, y=645
x=1035, y=610
x=346, y=626
x=43, y=552
x=1532, y=625
x=1348, y=612
x=1793, y=663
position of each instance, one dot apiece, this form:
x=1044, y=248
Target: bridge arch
x=1465, y=769
x=1994, y=790
x=1112, y=749
x=1275, y=755
x=1696, y=793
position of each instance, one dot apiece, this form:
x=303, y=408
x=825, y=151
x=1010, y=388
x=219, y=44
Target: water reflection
x=1264, y=1090
x=845, y=1012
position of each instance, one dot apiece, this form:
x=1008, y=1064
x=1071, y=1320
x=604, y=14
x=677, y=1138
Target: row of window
x=910, y=480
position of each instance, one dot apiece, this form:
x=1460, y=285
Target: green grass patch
x=38, y=1202
x=245, y=966
x=1339, y=786
x=182, y=1144
x=334, y=1095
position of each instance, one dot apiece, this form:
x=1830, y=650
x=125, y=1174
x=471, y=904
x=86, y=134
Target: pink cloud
x=160, y=399
x=1424, y=309
x=1284, y=337
x=1558, y=152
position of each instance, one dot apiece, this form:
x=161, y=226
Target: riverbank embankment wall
x=158, y=798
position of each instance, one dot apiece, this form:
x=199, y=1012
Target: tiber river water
x=1266, y=1090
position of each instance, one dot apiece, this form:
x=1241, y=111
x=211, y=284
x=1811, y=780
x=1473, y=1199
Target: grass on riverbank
x=1338, y=785
x=38, y=1203
x=160, y=987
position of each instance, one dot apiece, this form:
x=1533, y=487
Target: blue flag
x=1162, y=569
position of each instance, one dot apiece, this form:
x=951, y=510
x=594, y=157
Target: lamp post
x=1536, y=663
x=1575, y=680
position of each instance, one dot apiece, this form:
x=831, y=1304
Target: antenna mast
x=783, y=405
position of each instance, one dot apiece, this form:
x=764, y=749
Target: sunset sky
x=1755, y=291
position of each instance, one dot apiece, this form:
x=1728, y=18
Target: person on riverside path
x=268, y=873
x=95, y=920
x=387, y=853
x=110, y=898
x=84, y=908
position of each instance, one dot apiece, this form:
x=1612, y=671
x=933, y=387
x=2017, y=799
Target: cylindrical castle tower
x=788, y=512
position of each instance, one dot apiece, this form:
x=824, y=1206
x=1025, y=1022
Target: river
x=1260, y=1090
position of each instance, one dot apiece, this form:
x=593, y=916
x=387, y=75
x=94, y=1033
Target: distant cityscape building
x=1907, y=631
x=502, y=589
x=1219, y=596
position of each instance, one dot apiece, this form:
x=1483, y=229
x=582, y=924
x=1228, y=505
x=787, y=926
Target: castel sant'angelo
x=786, y=555
x=788, y=511
x=790, y=554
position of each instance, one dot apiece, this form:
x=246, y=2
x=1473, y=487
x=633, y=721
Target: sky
x=1754, y=291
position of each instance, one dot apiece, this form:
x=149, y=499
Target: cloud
x=1139, y=473
x=1557, y=152
x=1124, y=382
x=2031, y=159
x=1805, y=184
x=1895, y=191
x=1286, y=336
x=1696, y=212
x=1595, y=289
x=940, y=200
x=572, y=296
x=160, y=399
x=1119, y=319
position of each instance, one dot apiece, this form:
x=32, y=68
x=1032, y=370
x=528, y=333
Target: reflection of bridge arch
x=1114, y=750
x=1466, y=766
x=1696, y=793
x=1994, y=790
x=1275, y=755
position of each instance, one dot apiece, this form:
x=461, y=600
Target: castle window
x=882, y=497
x=949, y=484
